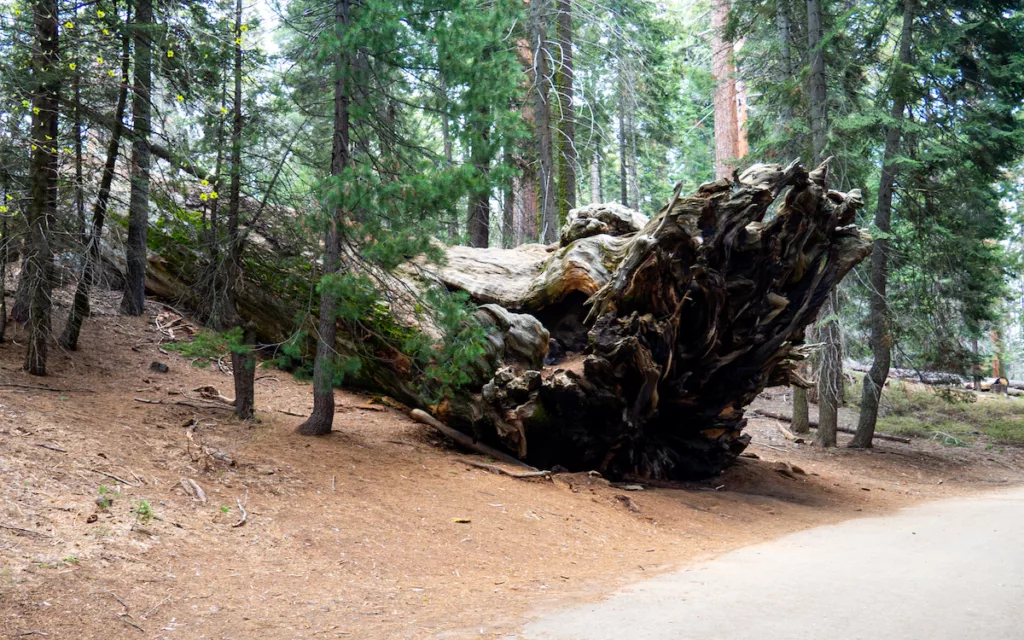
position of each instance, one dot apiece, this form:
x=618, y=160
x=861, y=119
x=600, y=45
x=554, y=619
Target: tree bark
x=5, y=254
x=134, y=300
x=243, y=358
x=830, y=373
x=538, y=16
x=508, y=204
x=91, y=260
x=623, y=86
x=596, y=195
x=801, y=412
x=881, y=342
x=566, y=128
x=723, y=73
x=321, y=419
x=478, y=219
x=79, y=178
x=817, y=81
x=43, y=179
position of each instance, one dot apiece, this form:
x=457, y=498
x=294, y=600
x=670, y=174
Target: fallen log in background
x=778, y=415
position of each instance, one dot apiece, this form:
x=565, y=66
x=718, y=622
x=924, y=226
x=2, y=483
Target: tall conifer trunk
x=542, y=121
x=830, y=372
x=321, y=419
x=243, y=358
x=43, y=184
x=566, y=129
x=134, y=300
x=723, y=72
x=881, y=341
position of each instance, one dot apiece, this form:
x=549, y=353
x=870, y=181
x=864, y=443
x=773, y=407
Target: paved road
x=951, y=570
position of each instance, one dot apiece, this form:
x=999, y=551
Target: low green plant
x=143, y=512
x=106, y=497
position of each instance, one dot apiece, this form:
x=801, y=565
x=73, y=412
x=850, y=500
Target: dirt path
x=949, y=570
x=363, y=533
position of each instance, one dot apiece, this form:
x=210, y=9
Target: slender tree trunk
x=881, y=341
x=817, y=81
x=801, y=413
x=508, y=205
x=79, y=179
x=216, y=282
x=723, y=72
x=321, y=419
x=479, y=209
x=830, y=372
x=452, y=223
x=80, y=305
x=542, y=121
x=566, y=113
x=243, y=358
x=596, y=197
x=43, y=180
x=623, y=162
x=134, y=300
x=4, y=251
x=633, y=166
x=19, y=312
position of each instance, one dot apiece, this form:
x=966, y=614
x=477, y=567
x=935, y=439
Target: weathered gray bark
x=881, y=343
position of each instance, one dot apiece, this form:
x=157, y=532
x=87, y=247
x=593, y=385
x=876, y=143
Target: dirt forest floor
x=377, y=531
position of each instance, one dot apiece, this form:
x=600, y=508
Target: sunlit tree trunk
x=723, y=72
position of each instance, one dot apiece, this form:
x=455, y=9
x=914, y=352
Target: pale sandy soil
x=355, y=535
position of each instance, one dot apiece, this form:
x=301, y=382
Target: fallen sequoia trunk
x=668, y=333
x=632, y=346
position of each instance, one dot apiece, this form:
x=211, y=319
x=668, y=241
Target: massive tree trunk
x=321, y=420
x=881, y=342
x=43, y=178
x=566, y=114
x=91, y=259
x=668, y=332
x=134, y=298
